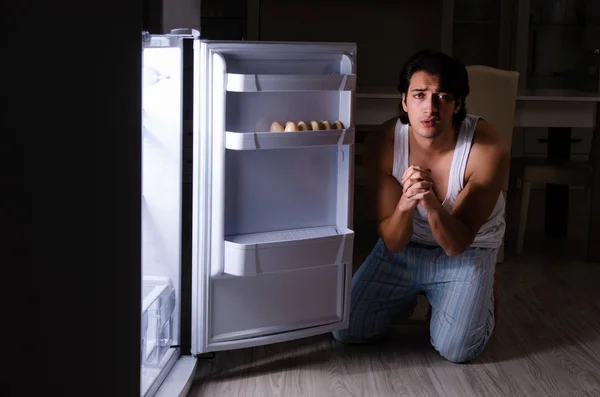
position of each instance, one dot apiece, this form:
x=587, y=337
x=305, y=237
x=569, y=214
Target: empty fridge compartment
x=281, y=140
x=158, y=307
x=292, y=82
x=257, y=253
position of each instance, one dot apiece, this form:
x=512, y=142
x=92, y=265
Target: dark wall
x=70, y=130
x=386, y=32
x=160, y=16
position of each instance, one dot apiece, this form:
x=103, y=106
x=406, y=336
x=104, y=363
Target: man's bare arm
x=394, y=220
x=490, y=156
x=395, y=223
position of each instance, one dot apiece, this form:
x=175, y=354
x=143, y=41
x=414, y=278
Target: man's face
x=429, y=110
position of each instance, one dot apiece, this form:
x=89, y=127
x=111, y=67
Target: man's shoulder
x=383, y=135
x=379, y=146
x=487, y=140
x=389, y=125
x=490, y=151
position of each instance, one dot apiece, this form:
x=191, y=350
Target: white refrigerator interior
x=161, y=207
x=272, y=211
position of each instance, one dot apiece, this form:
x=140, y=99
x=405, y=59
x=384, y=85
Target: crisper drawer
x=251, y=254
x=274, y=303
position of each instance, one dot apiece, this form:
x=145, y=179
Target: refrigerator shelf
x=252, y=254
x=282, y=82
x=281, y=140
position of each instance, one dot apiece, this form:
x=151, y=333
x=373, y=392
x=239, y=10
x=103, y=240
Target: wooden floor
x=546, y=342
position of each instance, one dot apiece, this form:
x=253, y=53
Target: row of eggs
x=290, y=126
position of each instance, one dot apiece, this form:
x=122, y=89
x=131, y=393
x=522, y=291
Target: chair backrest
x=493, y=96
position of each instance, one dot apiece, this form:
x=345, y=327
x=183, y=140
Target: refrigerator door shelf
x=281, y=82
x=281, y=140
x=302, y=302
x=218, y=342
x=251, y=254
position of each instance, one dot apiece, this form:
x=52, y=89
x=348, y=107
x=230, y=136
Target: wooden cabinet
x=478, y=32
x=554, y=44
x=558, y=44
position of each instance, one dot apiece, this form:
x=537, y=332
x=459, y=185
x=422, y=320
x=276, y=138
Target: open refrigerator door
x=273, y=153
x=162, y=82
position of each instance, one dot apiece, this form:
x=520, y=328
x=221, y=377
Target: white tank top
x=492, y=232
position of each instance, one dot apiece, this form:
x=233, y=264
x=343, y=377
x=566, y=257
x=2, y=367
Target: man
x=436, y=175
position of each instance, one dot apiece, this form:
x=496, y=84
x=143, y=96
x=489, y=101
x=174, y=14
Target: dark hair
x=452, y=74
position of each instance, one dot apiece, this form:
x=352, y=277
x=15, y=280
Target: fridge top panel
x=258, y=48
x=285, y=66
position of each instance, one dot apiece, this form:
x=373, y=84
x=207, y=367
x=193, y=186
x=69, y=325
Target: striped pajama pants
x=459, y=289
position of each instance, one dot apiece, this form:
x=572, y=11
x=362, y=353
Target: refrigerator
x=260, y=137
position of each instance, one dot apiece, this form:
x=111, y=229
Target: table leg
x=593, y=243
x=557, y=196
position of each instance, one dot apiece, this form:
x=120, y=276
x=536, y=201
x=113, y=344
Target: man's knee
x=463, y=347
x=458, y=353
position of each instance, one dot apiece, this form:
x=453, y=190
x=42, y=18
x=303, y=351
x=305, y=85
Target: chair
x=493, y=96
x=535, y=170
